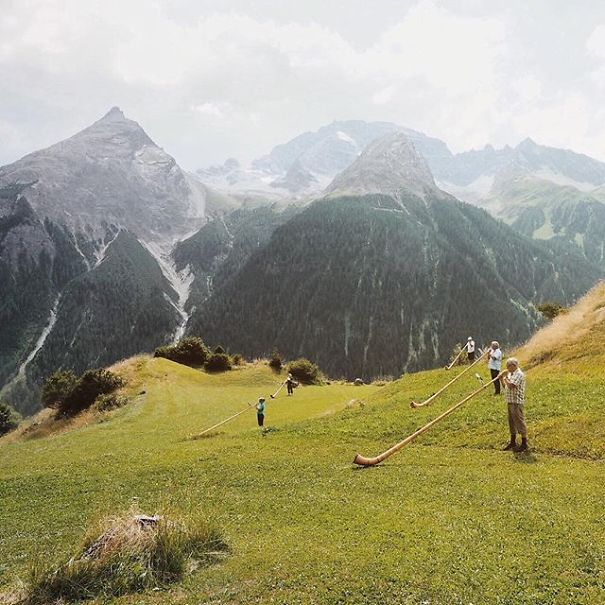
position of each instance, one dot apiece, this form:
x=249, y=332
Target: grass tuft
x=125, y=554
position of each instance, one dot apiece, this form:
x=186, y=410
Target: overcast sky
x=210, y=79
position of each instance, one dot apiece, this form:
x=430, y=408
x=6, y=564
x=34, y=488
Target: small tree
x=550, y=310
x=305, y=371
x=9, y=418
x=275, y=363
x=90, y=385
x=190, y=351
x=218, y=362
x=58, y=387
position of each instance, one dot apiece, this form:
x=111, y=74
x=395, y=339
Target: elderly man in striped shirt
x=514, y=382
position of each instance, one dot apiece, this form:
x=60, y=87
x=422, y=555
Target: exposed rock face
x=387, y=165
x=78, y=287
x=304, y=166
x=110, y=173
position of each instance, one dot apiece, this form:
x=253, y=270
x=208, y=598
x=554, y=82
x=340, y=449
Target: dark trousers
x=471, y=356
x=261, y=419
x=290, y=388
x=495, y=373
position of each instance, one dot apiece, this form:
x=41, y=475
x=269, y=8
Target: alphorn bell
x=363, y=461
x=414, y=404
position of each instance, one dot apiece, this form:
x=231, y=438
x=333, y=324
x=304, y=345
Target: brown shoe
x=511, y=446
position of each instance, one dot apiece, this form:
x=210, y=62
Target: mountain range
x=347, y=245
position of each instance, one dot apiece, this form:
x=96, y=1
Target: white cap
x=470, y=338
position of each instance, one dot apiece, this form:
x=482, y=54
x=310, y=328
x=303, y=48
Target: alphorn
x=215, y=426
x=457, y=357
x=363, y=461
x=414, y=404
x=278, y=390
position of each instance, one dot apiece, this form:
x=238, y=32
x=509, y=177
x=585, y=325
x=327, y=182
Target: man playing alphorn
x=514, y=382
x=494, y=364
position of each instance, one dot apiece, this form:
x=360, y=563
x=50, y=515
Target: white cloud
x=218, y=84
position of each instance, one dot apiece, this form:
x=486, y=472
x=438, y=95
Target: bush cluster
x=305, y=371
x=275, y=362
x=68, y=394
x=110, y=401
x=9, y=418
x=550, y=310
x=218, y=362
x=189, y=351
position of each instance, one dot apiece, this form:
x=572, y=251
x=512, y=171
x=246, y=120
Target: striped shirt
x=516, y=396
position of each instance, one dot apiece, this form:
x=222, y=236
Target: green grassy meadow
x=448, y=520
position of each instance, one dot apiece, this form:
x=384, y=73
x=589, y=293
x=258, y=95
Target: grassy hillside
x=450, y=519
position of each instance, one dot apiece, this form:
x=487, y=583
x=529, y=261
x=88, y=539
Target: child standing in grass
x=260, y=411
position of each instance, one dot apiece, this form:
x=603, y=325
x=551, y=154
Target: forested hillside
x=373, y=285
x=221, y=247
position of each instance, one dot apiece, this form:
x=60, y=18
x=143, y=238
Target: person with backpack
x=494, y=363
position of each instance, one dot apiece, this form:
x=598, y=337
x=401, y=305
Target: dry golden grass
x=122, y=554
x=577, y=333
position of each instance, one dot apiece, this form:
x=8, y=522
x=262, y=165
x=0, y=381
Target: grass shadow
x=525, y=457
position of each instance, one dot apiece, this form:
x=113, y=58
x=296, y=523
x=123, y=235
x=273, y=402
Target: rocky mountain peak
x=115, y=114
x=527, y=144
x=387, y=165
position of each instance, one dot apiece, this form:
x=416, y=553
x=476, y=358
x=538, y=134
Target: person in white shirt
x=494, y=363
x=470, y=349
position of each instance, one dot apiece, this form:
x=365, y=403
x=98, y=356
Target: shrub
x=455, y=352
x=9, y=418
x=305, y=371
x=190, y=351
x=218, y=362
x=550, y=310
x=57, y=387
x=89, y=386
x=238, y=359
x=123, y=555
x=275, y=363
x=110, y=401
x=219, y=350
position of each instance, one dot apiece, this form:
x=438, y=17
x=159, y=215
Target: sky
x=215, y=79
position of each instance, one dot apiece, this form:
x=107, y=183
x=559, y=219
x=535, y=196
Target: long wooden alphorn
x=415, y=404
x=457, y=357
x=363, y=461
x=215, y=426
